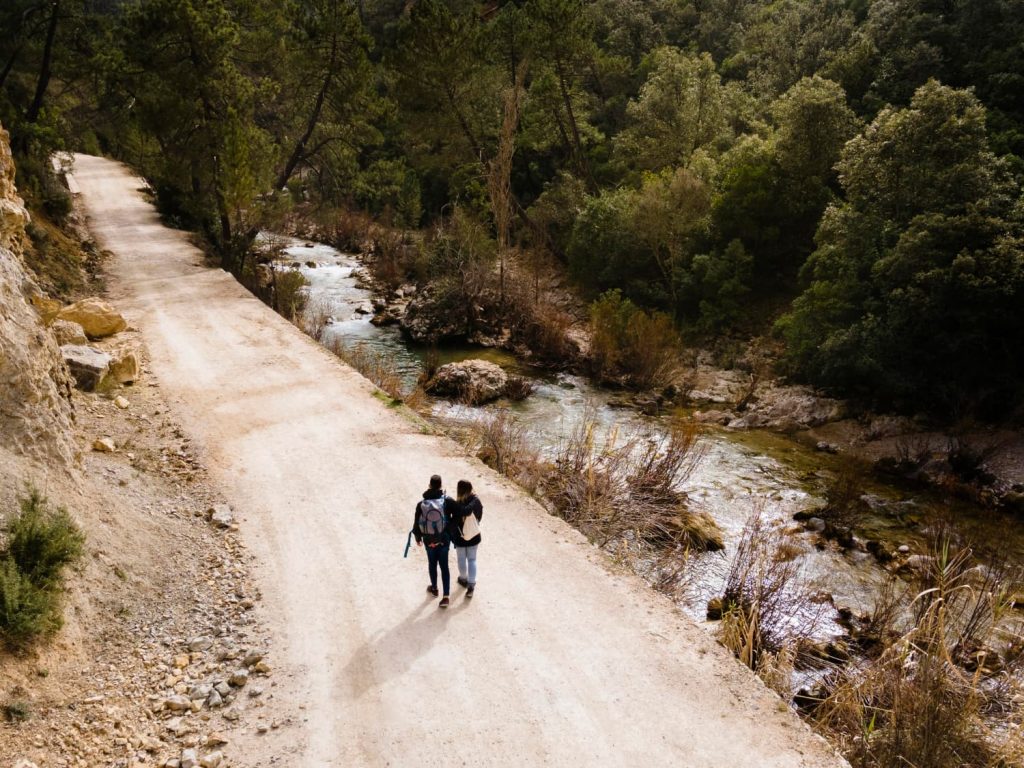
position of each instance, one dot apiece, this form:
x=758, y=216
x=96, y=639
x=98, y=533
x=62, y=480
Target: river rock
x=97, y=318
x=67, y=332
x=88, y=366
x=789, y=408
x=815, y=524
x=715, y=609
x=721, y=418
x=429, y=319
x=471, y=381
x=918, y=564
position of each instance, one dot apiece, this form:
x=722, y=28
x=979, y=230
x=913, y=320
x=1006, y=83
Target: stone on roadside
x=211, y=760
x=88, y=366
x=67, y=332
x=25, y=764
x=97, y=318
x=181, y=660
x=178, y=703
x=216, y=739
x=239, y=678
x=201, y=643
x=121, y=402
x=214, y=700
x=104, y=445
x=231, y=714
x=189, y=758
x=124, y=366
x=252, y=658
x=262, y=667
x=220, y=515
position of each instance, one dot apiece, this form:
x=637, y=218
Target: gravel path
x=556, y=661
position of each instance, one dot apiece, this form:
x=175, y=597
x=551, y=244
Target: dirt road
x=556, y=661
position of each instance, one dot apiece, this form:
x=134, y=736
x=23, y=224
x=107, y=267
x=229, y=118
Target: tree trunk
x=45, y=69
x=298, y=153
x=9, y=65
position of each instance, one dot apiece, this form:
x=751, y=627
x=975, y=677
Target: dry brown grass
x=621, y=487
x=939, y=690
x=767, y=615
x=380, y=369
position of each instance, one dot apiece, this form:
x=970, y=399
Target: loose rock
x=88, y=366
x=104, y=445
x=67, y=332
x=97, y=318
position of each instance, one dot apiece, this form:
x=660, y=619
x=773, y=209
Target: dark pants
x=438, y=556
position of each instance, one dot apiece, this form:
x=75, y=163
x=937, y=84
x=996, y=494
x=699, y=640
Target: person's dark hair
x=435, y=482
x=464, y=488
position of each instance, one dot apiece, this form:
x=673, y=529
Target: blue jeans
x=438, y=556
x=467, y=563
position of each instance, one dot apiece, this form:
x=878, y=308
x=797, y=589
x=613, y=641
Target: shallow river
x=738, y=470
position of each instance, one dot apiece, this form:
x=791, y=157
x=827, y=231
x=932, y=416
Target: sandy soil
x=556, y=661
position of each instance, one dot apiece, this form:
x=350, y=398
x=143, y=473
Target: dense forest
x=843, y=175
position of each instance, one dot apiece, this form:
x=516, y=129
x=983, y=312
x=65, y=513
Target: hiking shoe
x=469, y=590
x=444, y=602
x=462, y=582
x=433, y=591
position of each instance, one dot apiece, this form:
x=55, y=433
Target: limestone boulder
x=125, y=367
x=67, y=332
x=97, y=318
x=88, y=366
x=471, y=381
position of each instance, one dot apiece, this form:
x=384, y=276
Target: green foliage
x=917, y=281
x=632, y=345
x=681, y=108
x=40, y=543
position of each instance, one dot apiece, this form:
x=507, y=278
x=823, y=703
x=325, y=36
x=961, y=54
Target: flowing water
x=739, y=469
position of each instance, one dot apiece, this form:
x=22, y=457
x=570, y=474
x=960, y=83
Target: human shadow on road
x=392, y=653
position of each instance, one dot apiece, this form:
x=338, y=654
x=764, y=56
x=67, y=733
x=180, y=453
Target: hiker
x=466, y=534
x=432, y=529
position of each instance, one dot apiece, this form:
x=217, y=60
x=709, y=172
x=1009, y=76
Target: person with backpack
x=466, y=534
x=432, y=528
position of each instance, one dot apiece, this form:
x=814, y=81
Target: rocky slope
x=35, y=389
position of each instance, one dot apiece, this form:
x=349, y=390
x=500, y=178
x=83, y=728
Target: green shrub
x=17, y=710
x=628, y=343
x=42, y=541
x=27, y=611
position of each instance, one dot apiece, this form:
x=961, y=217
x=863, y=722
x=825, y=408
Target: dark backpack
x=433, y=520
